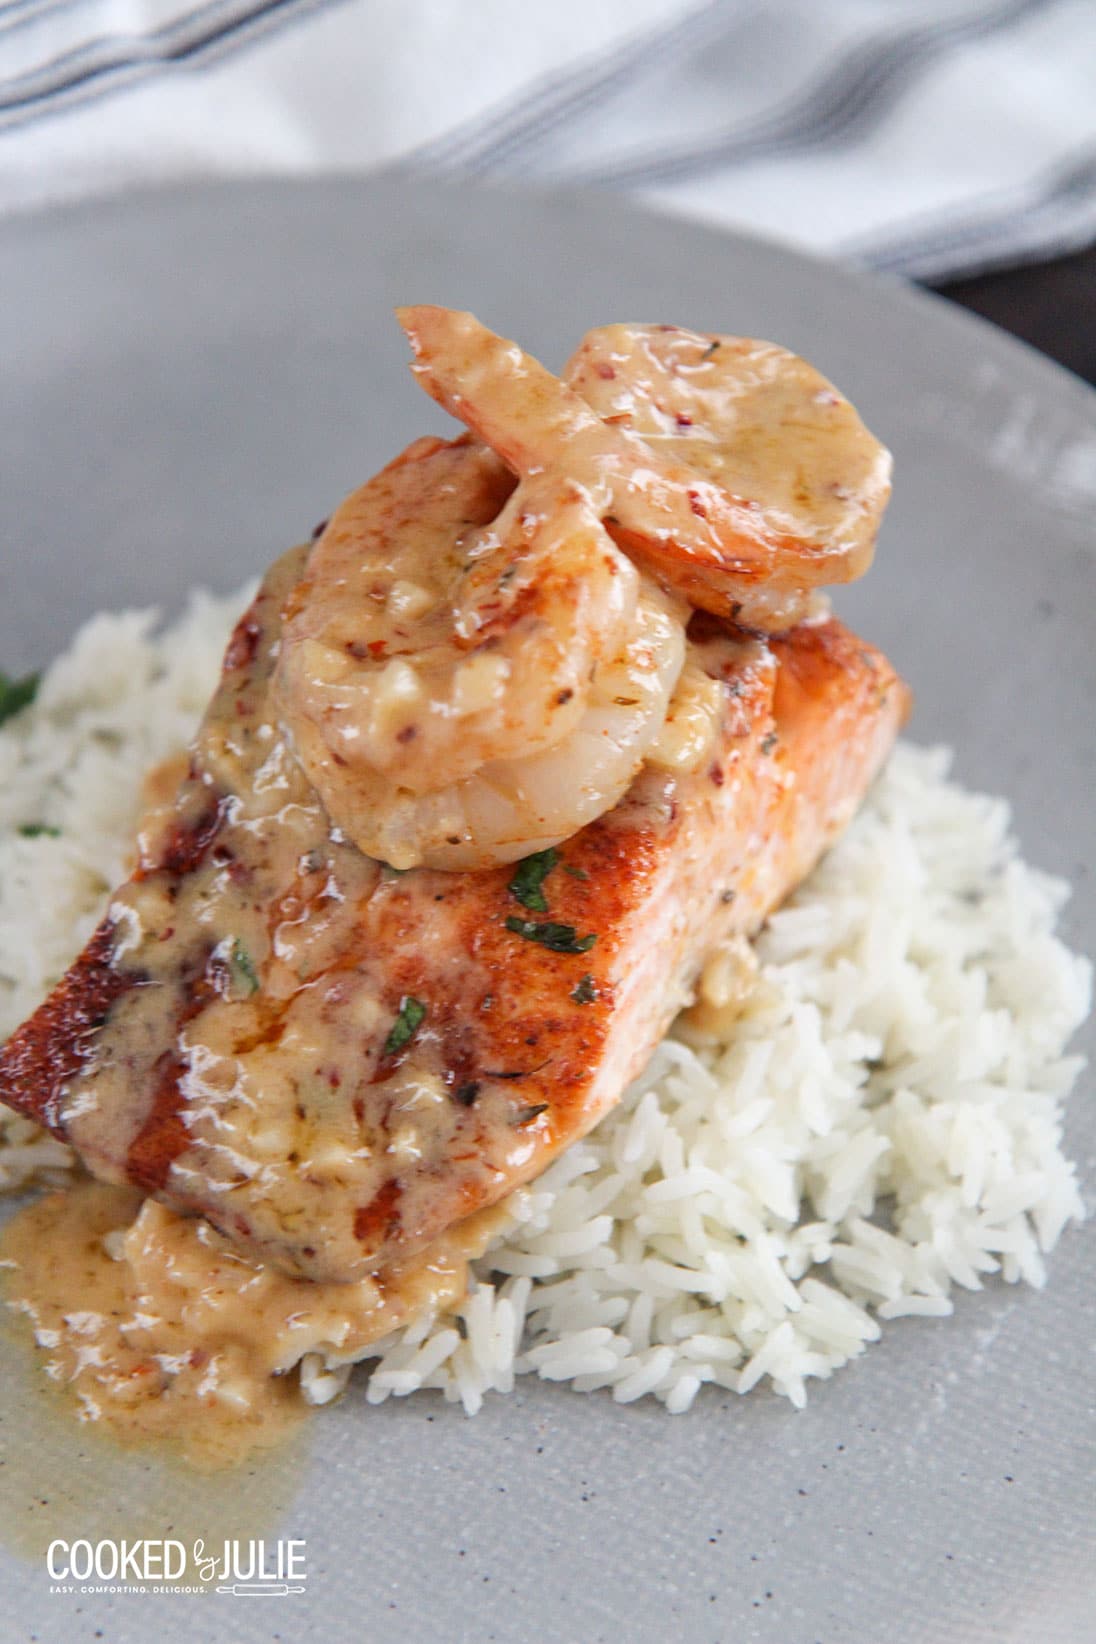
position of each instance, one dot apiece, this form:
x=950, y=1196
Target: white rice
x=881, y=1127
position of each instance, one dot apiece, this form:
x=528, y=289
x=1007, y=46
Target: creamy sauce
x=153, y=1326
x=63, y=1480
x=729, y=984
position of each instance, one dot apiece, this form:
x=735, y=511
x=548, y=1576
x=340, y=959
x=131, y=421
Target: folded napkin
x=929, y=137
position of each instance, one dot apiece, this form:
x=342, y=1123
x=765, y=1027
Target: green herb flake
x=586, y=991
x=560, y=938
x=411, y=1015
x=38, y=830
x=709, y=351
x=768, y=743
x=242, y=968
x=527, y=884
x=576, y=873
x=16, y=694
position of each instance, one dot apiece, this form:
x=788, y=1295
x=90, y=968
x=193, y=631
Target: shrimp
x=471, y=672
x=730, y=469
x=475, y=667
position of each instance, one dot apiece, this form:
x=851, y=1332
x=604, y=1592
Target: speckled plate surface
x=187, y=381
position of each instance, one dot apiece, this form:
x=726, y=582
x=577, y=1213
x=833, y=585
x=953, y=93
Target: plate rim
x=61, y=216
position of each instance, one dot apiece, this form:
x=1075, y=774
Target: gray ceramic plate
x=187, y=381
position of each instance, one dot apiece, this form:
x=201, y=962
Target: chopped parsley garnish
x=16, y=694
x=576, y=873
x=412, y=1013
x=242, y=968
x=768, y=743
x=38, y=830
x=560, y=938
x=586, y=991
x=527, y=884
x=709, y=351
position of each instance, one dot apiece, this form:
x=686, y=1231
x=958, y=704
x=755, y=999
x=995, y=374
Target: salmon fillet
x=333, y=1061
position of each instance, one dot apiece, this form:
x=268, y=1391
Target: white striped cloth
x=928, y=137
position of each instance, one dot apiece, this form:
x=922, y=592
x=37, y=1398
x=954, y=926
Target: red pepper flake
x=375, y=1220
x=243, y=645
